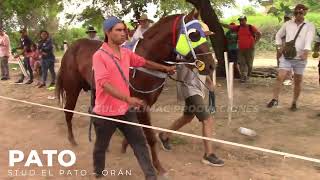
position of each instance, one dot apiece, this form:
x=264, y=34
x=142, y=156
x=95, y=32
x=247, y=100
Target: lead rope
x=126, y=80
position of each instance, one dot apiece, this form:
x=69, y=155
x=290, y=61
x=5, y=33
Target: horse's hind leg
x=144, y=118
x=71, y=101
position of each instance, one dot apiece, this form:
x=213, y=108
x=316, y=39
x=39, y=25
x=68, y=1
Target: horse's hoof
x=73, y=142
x=164, y=176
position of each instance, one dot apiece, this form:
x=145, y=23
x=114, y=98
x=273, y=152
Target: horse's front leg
x=144, y=118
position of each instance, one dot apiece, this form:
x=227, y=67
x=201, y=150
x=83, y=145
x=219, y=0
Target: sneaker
x=19, y=81
x=287, y=82
x=41, y=85
x=273, y=103
x=52, y=84
x=293, y=107
x=165, y=143
x=212, y=160
x=4, y=78
x=29, y=82
x=98, y=175
x=243, y=79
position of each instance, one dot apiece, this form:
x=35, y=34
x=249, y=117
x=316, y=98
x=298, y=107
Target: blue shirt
x=46, y=46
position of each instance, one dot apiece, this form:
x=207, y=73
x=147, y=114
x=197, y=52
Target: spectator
x=316, y=50
x=288, y=80
x=35, y=62
x=92, y=33
x=232, y=44
x=4, y=54
x=25, y=45
x=144, y=25
x=47, y=58
x=248, y=36
x=65, y=46
x=299, y=37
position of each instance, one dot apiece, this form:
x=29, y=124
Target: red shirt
x=105, y=71
x=245, y=36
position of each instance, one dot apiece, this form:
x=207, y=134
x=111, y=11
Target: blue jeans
x=48, y=64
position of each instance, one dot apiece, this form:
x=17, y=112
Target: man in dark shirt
x=46, y=49
x=25, y=45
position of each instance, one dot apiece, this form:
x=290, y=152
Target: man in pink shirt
x=4, y=54
x=113, y=97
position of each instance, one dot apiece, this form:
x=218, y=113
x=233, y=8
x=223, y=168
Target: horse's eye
x=194, y=35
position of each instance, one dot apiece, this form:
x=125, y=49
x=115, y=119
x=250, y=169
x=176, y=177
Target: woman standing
x=48, y=58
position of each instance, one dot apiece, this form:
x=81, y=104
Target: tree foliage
x=103, y=8
x=280, y=7
x=249, y=11
x=32, y=14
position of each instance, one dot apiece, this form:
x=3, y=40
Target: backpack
x=253, y=34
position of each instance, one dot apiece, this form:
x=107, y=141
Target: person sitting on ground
x=35, y=62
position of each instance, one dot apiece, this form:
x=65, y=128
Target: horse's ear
x=189, y=17
x=194, y=14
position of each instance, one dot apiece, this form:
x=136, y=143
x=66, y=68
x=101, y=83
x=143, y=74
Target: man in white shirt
x=303, y=45
x=144, y=25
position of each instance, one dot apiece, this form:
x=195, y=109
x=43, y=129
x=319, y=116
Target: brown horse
x=157, y=45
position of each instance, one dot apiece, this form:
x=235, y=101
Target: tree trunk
x=218, y=40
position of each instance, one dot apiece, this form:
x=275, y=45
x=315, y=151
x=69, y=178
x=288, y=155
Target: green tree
x=279, y=7
x=249, y=11
x=33, y=15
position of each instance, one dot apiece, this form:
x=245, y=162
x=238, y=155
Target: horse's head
x=192, y=44
x=178, y=34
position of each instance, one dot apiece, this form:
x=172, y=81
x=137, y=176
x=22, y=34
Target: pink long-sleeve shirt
x=4, y=45
x=105, y=71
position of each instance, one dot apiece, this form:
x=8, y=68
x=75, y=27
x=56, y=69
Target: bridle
x=196, y=62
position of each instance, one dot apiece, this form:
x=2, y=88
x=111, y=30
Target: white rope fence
x=286, y=155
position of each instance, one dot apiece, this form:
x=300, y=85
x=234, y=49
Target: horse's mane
x=154, y=29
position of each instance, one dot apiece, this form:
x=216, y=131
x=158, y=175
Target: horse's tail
x=60, y=89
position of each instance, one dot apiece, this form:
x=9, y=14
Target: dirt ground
x=26, y=127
